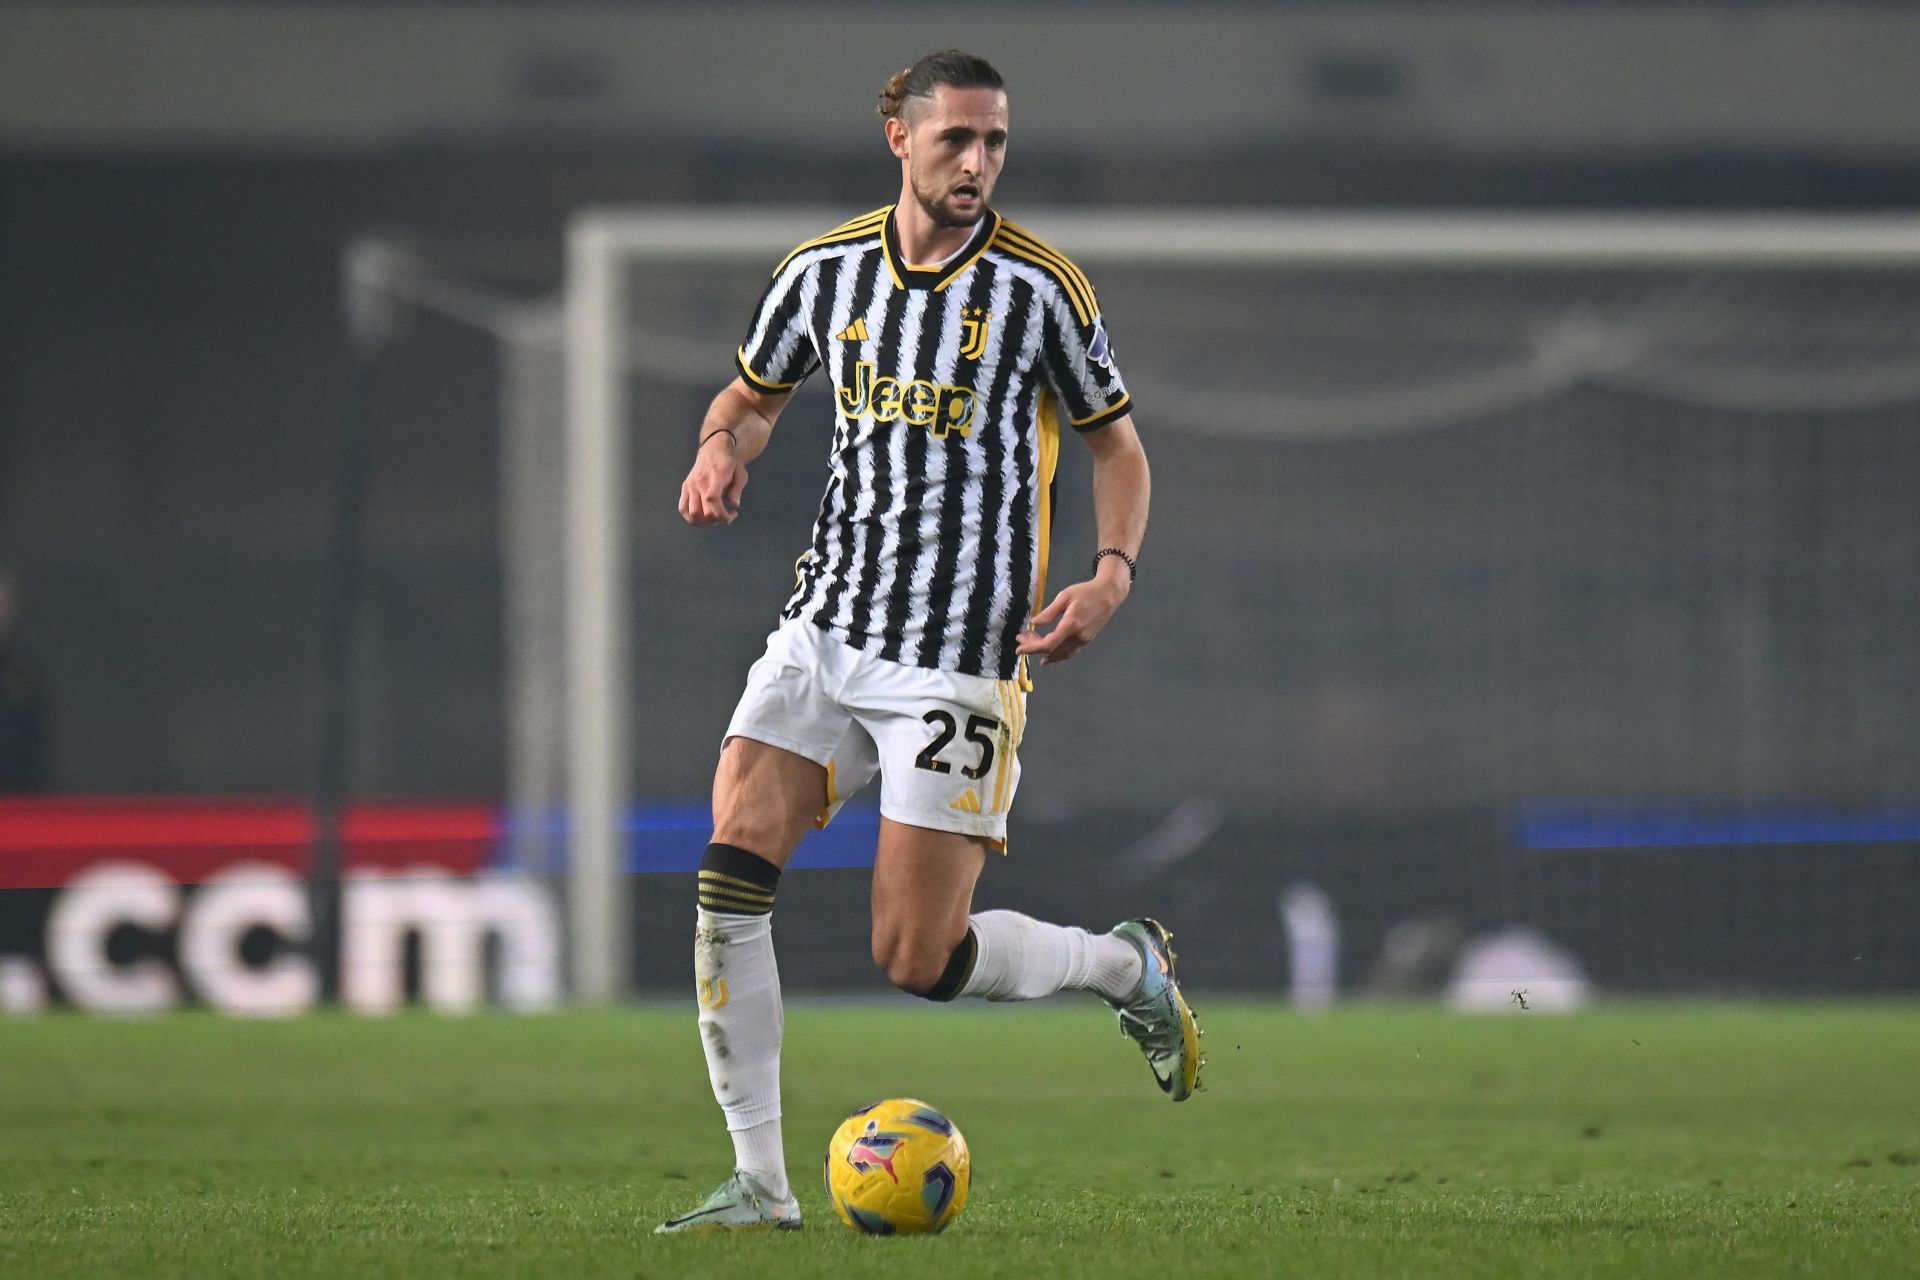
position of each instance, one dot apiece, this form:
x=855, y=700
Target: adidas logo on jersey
x=969, y=802
x=855, y=332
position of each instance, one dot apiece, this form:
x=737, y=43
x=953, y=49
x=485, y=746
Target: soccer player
x=959, y=344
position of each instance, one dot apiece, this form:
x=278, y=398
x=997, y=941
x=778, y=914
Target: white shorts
x=944, y=744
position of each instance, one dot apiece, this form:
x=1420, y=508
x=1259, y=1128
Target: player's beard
x=946, y=218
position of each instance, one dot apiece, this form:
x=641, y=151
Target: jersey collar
x=907, y=276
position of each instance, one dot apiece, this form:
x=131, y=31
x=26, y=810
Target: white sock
x=759, y=1151
x=741, y=1022
x=1020, y=958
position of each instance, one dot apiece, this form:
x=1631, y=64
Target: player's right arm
x=777, y=357
x=736, y=429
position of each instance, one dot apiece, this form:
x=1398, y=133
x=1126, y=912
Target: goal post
x=1568, y=341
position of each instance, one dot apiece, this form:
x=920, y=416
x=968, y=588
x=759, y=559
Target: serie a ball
x=898, y=1167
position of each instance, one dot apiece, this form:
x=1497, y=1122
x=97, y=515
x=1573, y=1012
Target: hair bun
x=895, y=92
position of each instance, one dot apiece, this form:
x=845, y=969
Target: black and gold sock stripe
x=735, y=882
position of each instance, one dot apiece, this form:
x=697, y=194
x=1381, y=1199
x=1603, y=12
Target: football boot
x=738, y=1204
x=1155, y=1015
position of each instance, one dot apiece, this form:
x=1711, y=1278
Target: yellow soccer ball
x=898, y=1168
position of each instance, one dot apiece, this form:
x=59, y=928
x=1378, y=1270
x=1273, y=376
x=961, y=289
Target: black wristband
x=723, y=431
x=1104, y=552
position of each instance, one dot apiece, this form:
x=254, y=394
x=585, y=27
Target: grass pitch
x=1643, y=1141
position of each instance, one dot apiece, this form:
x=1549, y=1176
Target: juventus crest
x=973, y=332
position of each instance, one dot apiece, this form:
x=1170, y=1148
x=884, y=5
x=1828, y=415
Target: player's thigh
x=765, y=798
x=774, y=775
x=923, y=882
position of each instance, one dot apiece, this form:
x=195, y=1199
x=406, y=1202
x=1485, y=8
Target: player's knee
x=742, y=832
x=748, y=826
x=930, y=970
x=889, y=955
x=905, y=964
x=915, y=974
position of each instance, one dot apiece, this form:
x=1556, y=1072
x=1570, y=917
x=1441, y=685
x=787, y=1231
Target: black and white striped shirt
x=952, y=383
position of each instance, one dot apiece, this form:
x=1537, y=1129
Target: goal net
x=1551, y=573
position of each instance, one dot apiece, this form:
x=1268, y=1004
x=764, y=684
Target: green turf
x=1643, y=1141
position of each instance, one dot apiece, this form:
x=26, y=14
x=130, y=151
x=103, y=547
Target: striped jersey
x=951, y=384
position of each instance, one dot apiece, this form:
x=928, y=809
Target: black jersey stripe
x=826, y=285
x=1017, y=556
x=953, y=505
x=818, y=565
x=1020, y=233
x=808, y=569
x=783, y=372
x=910, y=502
x=1022, y=532
x=938, y=323
x=1000, y=547
x=836, y=528
x=880, y=486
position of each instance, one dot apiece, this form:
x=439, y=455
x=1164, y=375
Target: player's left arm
x=1122, y=487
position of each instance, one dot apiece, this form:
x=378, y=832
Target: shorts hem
x=821, y=756
x=962, y=824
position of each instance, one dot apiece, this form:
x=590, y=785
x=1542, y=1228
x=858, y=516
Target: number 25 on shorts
x=946, y=728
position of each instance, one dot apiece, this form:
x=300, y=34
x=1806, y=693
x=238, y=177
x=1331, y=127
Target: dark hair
x=950, y=67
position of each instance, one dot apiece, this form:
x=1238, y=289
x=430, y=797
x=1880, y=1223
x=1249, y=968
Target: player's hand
x=1071, y=619
x=711, y=492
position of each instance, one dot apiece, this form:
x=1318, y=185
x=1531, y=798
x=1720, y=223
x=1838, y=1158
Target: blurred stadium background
x=1504, y=624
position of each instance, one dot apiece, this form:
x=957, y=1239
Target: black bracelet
x=723, y=431
x=1104, y=552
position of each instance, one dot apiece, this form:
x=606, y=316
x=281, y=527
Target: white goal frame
x=599, y=408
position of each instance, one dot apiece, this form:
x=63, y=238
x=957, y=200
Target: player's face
x=954, y=149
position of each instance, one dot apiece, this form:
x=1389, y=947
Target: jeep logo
x=938, y=407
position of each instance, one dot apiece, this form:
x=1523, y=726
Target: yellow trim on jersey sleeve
x=1112, y=411
x=859, y=228
x=760, y=383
